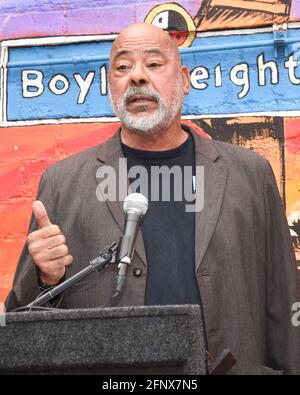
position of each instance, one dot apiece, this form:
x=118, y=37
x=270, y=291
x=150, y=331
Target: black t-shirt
x=168, y=229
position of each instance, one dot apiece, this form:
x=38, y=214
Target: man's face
x=147, y=82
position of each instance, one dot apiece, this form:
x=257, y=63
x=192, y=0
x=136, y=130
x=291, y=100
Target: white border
x=246, y=31
x=3, y=82
x=292, y=113
x=57, y=40
x=60, y=121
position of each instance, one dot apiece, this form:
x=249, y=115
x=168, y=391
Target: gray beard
x=158, y=120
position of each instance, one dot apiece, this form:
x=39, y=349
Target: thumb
x=40, y=214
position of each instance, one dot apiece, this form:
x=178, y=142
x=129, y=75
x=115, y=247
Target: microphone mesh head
x=136, y=202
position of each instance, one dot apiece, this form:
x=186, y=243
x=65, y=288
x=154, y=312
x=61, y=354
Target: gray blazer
x=245, y=264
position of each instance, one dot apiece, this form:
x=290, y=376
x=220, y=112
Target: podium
x=112, y=341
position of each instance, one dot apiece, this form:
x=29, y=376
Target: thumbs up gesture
x=47, y=247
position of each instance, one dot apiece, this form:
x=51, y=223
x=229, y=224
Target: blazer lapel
x=215, y=176
x=109, y=154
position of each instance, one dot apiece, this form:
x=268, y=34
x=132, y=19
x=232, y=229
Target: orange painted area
x=292, y=164
x=292, y=135
x=292, y=172
x=237, y=14
x=24, y=153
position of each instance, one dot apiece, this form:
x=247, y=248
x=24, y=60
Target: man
x=234, y=257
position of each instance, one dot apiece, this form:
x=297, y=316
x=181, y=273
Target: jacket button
x=137, y=272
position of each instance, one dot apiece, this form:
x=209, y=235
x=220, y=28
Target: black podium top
x=123, y=340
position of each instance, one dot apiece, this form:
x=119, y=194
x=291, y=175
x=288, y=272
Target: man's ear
x=186, y=79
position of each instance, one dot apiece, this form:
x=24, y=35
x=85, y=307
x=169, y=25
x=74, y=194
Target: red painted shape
x=178, y=37
x=292, y=135
x=24, y=153
x=196, y=128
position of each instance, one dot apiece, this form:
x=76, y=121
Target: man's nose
x=138, y=76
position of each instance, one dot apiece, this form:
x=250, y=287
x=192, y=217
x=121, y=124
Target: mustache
x=142, y=91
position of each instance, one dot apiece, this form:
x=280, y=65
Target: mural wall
x=243, y=59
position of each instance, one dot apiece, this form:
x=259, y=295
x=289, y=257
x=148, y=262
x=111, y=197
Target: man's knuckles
x=54, y=241
x=59, y=263
x=66, y=260
x=46, y=254
x=48, y=231
x=45, y=244
x=58, y=252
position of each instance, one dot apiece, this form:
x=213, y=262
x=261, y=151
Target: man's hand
x=47, y=247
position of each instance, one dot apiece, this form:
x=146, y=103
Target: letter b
x=36, y=83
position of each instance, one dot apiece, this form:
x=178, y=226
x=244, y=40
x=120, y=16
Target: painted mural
x=243, y=60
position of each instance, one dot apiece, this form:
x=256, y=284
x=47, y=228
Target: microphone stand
x=106, y=257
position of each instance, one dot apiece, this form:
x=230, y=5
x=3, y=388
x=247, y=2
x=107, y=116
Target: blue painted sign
x=230, y=75
x=57, y=81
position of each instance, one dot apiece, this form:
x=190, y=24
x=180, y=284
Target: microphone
x=135, y=207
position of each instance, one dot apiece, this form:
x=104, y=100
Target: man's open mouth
x=140, y=99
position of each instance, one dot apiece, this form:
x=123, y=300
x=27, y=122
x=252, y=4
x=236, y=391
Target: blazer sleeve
x=25, y=285
x=282, y=288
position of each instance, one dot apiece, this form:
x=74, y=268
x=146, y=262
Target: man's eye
x=154, y=65
x=122, y=67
